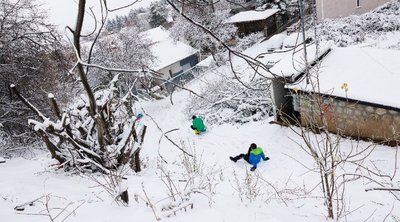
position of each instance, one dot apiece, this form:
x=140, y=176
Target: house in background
x=255, y=21
x=358, y=93
x=335, y=9
x=171, y=57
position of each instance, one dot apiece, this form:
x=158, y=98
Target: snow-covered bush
x=4, y=139
x=158, y=14
x=11, y=148
x=356, y=28
x=249, y=188
x=186, y=180
x=183, y=30
x=248, y=40
x=226, y=100
x=76, y=138
x=127, y=49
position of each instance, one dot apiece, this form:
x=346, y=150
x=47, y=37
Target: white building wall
x=343, y=8
x=174, y=68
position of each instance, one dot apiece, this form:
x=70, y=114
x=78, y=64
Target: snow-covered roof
x=156, y=34
x=165, y=49
x=253, y=15
x=372, y=75
x=293, y=64
x=259, y=52
x=276, y=41
x=293, y=39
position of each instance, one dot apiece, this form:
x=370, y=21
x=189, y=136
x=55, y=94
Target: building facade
x=343, y=8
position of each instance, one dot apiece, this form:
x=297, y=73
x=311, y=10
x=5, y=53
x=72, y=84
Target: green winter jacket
x=198, y=124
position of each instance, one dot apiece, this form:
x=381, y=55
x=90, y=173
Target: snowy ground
x=281, y=189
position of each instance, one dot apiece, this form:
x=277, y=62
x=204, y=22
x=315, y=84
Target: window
x=186, y=66
x=358, y=3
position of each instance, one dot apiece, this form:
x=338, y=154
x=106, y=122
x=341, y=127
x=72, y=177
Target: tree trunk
x=124, y=197
x=135, y=161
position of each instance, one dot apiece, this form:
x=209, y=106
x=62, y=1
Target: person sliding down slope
x=253, y=156
x=197, y=125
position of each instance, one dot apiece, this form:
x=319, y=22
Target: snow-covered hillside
x=188, y=177
x=209, y=187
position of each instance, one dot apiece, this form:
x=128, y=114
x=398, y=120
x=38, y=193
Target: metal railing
x=182, y=78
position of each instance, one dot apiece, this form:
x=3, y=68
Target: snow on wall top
x=248, y=16
x=372, y=75
x=165, y=50
x=206, y=62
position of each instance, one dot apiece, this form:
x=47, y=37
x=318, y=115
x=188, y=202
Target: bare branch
x=122, y=7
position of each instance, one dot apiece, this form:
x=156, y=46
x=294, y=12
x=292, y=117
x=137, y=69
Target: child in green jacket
x=197, y=125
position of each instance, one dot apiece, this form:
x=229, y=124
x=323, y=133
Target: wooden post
x=136, y=158
x=54, y=106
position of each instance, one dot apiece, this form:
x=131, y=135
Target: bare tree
x=30, y=55
x=126, y=49
x=210, y=19
x=98, y=132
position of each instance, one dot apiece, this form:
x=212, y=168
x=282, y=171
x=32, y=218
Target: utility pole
x=307, y=72
x=315, y=18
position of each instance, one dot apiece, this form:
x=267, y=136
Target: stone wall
x=352, y=118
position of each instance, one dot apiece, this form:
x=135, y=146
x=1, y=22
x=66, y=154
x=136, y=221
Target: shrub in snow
x=105, y=140
x=248, y=40
x=354, y=29
x=158, y=14
x=228, y=101
x=4, y=139
x=185, y=181
x=183, y=30
x=248, y=188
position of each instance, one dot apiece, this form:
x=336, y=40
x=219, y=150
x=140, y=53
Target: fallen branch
x=382, y=189
x=148, y=202
x=30, y=203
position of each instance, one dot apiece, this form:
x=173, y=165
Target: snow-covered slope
x=175, y=187
x=281, y=189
